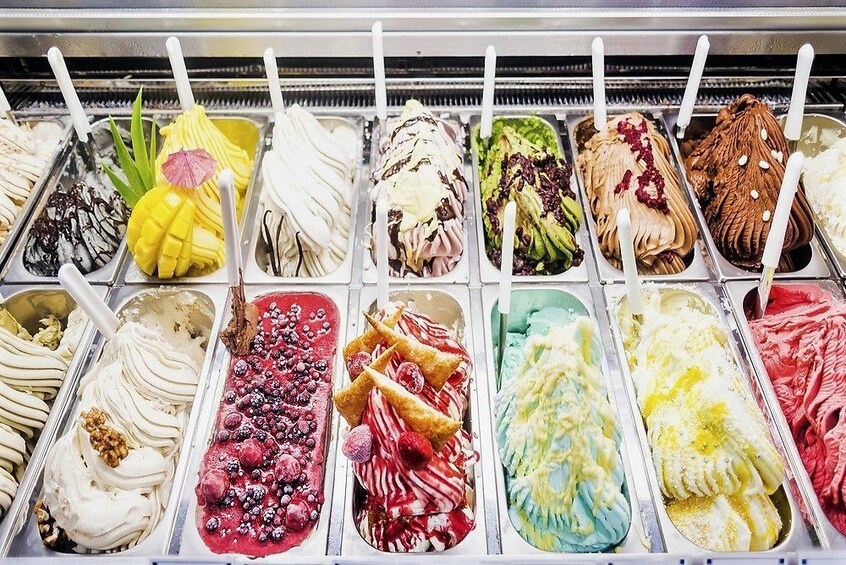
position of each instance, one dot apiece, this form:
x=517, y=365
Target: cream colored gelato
x=825, y=187
x=32, y=369
x=307, y=194
x=25, y=156
x=713, y=454
x=108, y=479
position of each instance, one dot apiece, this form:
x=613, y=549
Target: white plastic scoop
x=272, y=72
x=775, y=239
x=793, y=123
x=234, y=260
x=77, y=113
x=180, y=73
x=506, y=271
x=624, y=233
x=5, y=107
x=600, y=115
x=488, y=93
x=379, y=73
x=692, y=88
x=381, y=228
x=82, y=292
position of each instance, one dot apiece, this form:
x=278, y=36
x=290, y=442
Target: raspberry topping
x=650, y=184
x=356, y=363
x=214, y=485
x=287, y=469
x=252, y=453
x=415, y=450
x=410, y=376
x=358, y=444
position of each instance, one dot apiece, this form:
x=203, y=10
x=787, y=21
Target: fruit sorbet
x=261, y=480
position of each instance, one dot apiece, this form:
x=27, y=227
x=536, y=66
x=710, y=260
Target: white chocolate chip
x=766, y=215
x=754, y=194
x=743, y=159
x=763, y=134
x=763, y=164
x=780, y=157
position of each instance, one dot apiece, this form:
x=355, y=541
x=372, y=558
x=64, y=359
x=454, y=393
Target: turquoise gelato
x=557, y=433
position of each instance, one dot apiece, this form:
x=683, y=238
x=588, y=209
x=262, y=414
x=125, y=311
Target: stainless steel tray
x=643, y=535
x=57, y=156
x=737, y=292
x=817, y=263
x=131, y=274
x=838, y=122
x=186, y=539
x=254, y=261
x=26, y=541
x=696, y=270
x=449, y=305
x=30, y=302
x=71, y=168
x=797, y=531
x=461, y=271
x=490, y=273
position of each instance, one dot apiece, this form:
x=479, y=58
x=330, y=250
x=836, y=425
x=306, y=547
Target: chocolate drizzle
x=83, y=225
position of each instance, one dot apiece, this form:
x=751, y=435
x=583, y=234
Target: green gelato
x=521, y=161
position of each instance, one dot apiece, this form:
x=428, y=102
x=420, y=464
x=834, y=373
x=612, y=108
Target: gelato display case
x=332, y=409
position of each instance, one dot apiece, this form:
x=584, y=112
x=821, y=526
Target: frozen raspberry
x=232, y=420
x=287, y=468
x=296, y=517
x=358, y=444
x=356, y=363
x=414, y=449
x=410, y=376
x=214, y=485
x=251, y=453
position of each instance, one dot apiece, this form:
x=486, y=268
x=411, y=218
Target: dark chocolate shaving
x=238, y=335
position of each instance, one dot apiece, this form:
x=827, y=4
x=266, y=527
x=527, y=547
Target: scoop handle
x=4, y=102
x=272, y=72
x=793, y=123
x=624, y=232
x=506, y=266
x=488, y=92
x=692, y=88
x=234, y=261
x=180, y=73
x=789, y=185
x=600, y=115
x=381, y=228
x=77, y=113
x=379, y=72
x=72, y=281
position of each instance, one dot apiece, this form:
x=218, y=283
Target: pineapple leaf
x=139, y=146
x=129, y=195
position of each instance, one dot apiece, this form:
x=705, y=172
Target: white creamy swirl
x=308, y=176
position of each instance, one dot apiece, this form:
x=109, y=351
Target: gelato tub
x=792, y=349
x=272, y=255
x=574, y=263
x=538, y=523
x=260, y=483
x=668, y=244
x=246, y=134
x=111, y=477
x=436, y=506
x=803, y=256
x=719, y=465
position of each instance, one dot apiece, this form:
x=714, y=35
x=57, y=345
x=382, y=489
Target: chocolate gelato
x=736, y=171
x=627, y=165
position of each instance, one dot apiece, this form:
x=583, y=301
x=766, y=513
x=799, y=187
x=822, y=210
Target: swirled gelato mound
x=802, y=341
x=713, y=455
x=307, y=194
x=628, y=165
x=107, y=480
x=25, y=156
x=82, y=224
x=420, y=170
x=260, y=489
x=559, y=438
x=32, y=368
x=412, y=458
x=521, y=162
x=736, y=172
x=824, y=178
